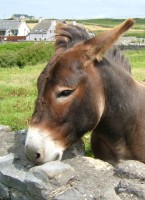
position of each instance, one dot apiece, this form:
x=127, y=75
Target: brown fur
x=103, y=96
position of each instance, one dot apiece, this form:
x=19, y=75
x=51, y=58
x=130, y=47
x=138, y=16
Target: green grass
x=17, y=95
x=139, y=26
x=137, y=61
x=109, y=22
x=138, y=34
x=106, y=22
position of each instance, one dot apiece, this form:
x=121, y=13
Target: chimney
x=22, y=18
x=74, y=23
x=53, y=22
x=40, y=19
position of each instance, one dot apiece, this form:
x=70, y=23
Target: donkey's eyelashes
x=65, y=93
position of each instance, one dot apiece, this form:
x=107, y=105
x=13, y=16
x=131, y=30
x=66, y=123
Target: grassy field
x=17, y=95
x=109, y=22
x=99, y=25
x=137, y=61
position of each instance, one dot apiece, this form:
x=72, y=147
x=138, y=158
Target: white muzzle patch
x=41, y=148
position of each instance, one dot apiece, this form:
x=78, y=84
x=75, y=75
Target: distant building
x=13, y=28
x=43, y=31
x=22, y=16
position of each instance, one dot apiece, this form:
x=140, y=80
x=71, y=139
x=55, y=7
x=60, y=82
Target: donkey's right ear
x=62, y=37
x=96, y=47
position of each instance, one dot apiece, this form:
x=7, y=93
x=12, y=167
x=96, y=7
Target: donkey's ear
x=97, y=46
x=61, y=37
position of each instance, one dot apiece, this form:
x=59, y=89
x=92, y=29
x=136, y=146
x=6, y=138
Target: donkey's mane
x=116, y=57
x=69, y=35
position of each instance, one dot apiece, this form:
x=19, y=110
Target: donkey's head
x=70, y=99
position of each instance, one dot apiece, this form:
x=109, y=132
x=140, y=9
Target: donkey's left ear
x=97, y=46
x=62, y=37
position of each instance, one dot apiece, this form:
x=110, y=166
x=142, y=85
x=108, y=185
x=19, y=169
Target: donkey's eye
x=65, y=93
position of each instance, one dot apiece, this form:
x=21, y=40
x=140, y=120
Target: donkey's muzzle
x=41, y=148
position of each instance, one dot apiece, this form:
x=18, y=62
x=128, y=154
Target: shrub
x=15, y=46
x=30, y=55
x=37, y=53
x=8, y=59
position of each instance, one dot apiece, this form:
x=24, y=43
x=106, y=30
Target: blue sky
x=74, y=9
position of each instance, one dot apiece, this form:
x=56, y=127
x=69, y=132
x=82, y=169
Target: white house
x=13, y=28
x=43, y=31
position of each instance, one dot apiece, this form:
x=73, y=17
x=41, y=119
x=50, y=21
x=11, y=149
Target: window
x=15, y=32
x=2, y=33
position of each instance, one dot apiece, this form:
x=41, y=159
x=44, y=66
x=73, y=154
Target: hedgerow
x=31, y=55
x=8, y=59
x=35, y=54
x=14, y=46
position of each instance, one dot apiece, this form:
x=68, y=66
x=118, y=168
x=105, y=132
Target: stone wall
x=76, y=177
x=131, y=43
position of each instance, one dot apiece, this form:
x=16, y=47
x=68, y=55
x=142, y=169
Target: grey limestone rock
x=76, y=177
x=131, y=169
x=4, y=192
x=6, y=160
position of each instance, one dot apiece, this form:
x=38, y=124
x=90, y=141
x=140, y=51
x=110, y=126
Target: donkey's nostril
x=37, y=155
x=33, y=153
x=57, y=156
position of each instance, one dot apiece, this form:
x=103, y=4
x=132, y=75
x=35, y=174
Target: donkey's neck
x=120, y=91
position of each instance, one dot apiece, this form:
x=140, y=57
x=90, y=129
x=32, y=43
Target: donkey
x=85, y=88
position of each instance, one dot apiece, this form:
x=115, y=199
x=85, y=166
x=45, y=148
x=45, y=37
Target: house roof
x=9, y=24
x=42, y=27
